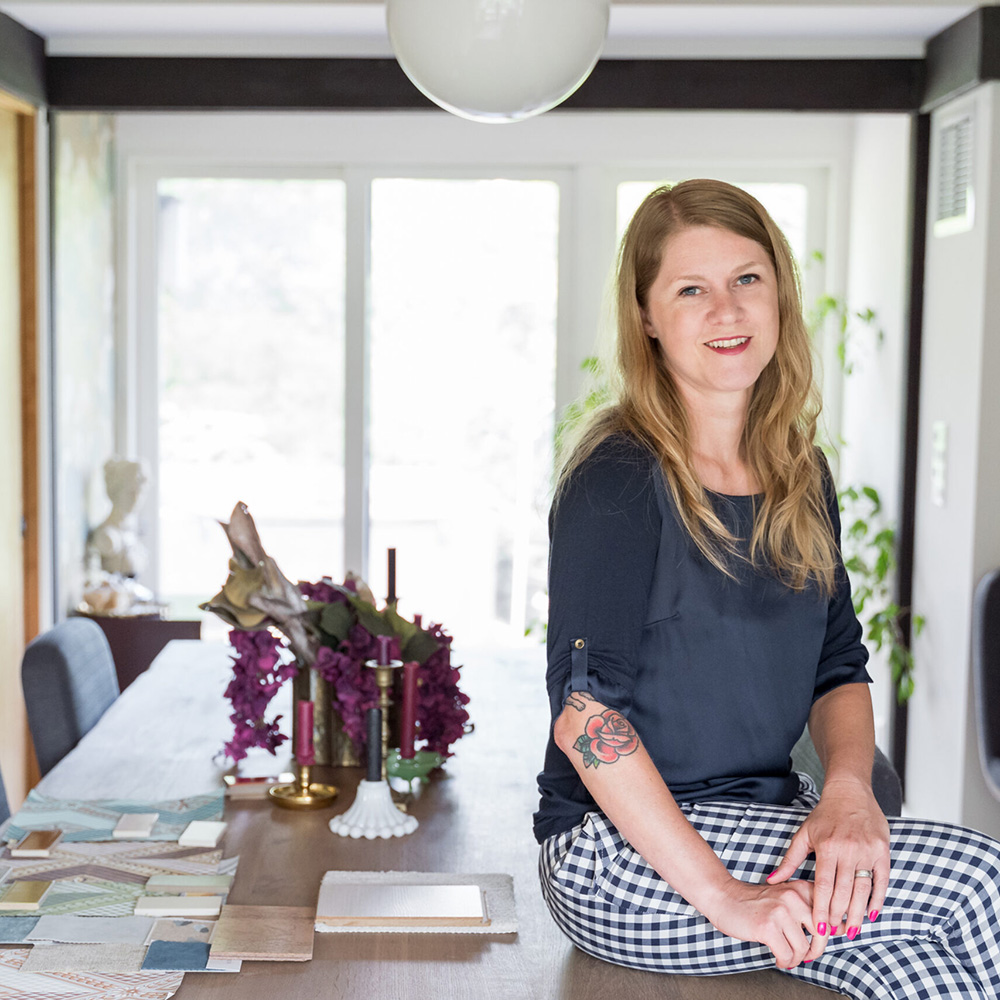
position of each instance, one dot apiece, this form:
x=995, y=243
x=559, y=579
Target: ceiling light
x=497, y=60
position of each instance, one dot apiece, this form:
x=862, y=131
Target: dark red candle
x=374, y=755
x=304, y=753
x=408, y=711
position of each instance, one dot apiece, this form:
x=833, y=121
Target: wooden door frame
x=27, y=213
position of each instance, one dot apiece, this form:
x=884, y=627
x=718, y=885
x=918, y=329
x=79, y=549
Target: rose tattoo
x=608, y=736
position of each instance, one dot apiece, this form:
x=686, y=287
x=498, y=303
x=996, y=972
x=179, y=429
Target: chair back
x=4, y=805
x=68, y=677
x=986, y=671
x=886, y=785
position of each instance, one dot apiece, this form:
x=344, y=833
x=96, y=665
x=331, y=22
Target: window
x=371, y=350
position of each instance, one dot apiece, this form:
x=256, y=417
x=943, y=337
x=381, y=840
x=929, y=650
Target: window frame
x=569, y=149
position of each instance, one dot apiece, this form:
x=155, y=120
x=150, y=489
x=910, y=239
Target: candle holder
x=304, y=793
x=384, y=680
x=373, y=815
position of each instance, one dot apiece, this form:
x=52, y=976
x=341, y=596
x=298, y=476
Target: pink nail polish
x=873, y=916
x=807, y=960
x=821, y=927
x=852, y=933
x=775, y=872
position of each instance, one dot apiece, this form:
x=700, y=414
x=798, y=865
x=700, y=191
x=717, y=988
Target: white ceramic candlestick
x=373, y=815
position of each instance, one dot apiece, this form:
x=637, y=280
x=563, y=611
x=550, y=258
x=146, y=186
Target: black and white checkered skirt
x=937, y=935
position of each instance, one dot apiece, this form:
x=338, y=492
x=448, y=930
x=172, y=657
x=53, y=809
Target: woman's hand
x=778, y=916
x=848, y=833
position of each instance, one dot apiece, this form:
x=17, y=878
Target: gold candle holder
x=304, y=793
x=383, y=680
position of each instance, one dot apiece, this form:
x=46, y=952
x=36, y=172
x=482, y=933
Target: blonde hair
x=792, y=530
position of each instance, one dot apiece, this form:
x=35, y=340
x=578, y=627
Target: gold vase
x=330, y=743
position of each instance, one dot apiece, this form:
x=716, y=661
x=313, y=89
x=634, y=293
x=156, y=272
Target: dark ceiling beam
x=282, y=84
x=22, y=61
x=964, y=55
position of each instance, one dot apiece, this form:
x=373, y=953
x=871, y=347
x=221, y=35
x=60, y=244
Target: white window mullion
x=141, y=357
x=356, y=368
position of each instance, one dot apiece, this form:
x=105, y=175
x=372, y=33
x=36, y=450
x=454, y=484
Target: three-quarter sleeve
x=605, y=529
x=843, y=658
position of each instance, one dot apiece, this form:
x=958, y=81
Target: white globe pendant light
x=497, y=60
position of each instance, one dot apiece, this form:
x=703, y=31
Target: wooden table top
x=157, y=741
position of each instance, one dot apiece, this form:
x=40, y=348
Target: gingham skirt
x=937, y=935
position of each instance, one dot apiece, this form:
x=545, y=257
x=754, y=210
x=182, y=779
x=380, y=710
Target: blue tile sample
x=13, y=930
x=177, y=956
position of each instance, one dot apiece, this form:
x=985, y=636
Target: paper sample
x=23, y=895
x=358, y=904
x=181, y=929
x=265, y=933
x=178, y=906
x=74, y=929
x=202, y=833
x=36, y=844
x=134, y=826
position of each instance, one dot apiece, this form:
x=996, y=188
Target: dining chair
x=4, y=805
x=68, y=677
x=886, y=786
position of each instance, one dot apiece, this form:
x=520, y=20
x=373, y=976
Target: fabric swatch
x=181, y=929
x=17, y=985
x=125, y=861
x=74, y=929
x=177, y=956
x=13, y=930
x=85, y=958
x=87, y=896
x=95, y=819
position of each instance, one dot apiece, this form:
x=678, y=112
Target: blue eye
x=690, y=290
x=747, y=279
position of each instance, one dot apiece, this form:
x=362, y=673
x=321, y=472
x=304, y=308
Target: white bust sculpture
x=115, y=539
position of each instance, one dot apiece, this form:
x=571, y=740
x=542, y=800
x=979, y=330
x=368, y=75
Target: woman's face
x=713, y=307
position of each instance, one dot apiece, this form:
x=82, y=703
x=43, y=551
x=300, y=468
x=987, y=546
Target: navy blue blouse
x=716, y=675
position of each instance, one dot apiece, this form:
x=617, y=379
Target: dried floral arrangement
x=330, y=628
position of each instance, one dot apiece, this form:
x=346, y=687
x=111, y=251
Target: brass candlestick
x=384, y=679
x=304, y=794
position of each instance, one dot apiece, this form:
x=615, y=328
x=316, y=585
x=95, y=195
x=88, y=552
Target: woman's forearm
x=843, y=731
x=618, y=772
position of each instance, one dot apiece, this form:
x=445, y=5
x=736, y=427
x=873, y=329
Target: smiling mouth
x=724, y=344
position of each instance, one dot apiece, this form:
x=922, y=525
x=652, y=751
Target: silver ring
x=864, y=873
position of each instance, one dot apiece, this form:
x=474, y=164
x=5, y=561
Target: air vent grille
x=954, y=188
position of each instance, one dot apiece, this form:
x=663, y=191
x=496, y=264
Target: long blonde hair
x=792, y=531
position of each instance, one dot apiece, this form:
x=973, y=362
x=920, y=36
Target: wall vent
x=955, y=199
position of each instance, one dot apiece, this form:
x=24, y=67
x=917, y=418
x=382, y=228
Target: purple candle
x=304, y=752
x=418, y=621
x=383, y=642
x=374, y=719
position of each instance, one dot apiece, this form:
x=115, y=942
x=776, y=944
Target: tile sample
x=265, y=933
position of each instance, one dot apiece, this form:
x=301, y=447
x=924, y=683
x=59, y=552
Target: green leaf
x=872, y=494
x=369, y=617
x=882, y=565
x=337, y=620
x=918, y=622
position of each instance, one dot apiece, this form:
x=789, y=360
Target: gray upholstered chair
x=885, y=781
x=4, y=806
x=68, y=677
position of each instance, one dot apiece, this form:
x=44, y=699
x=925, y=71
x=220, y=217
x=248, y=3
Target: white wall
x=957, y=542
x=872, y=405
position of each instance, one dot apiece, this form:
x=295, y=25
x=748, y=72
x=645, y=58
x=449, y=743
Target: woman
x=700, y=615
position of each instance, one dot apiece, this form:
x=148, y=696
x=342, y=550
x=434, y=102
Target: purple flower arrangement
x=330, y=628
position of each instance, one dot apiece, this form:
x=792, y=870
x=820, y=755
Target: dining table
x=162, y=739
